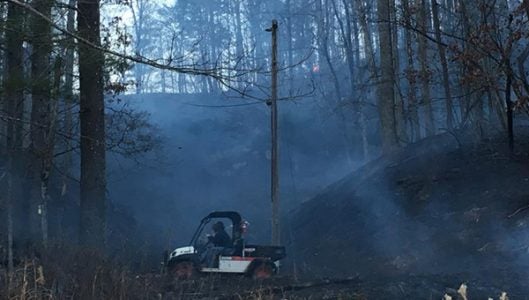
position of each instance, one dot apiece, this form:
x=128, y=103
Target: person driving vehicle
x=220, y=238
x=219, y=241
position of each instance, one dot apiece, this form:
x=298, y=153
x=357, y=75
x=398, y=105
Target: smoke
x=217, y=158
x=432, y=208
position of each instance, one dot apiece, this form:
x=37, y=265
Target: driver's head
x=218, y=226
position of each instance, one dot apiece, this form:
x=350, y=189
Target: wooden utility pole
x=276, y=231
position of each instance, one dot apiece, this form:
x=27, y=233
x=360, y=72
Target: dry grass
x=70, y=274
x=73, y=274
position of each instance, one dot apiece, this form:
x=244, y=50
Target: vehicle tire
x=183, y=270
x=262, y=271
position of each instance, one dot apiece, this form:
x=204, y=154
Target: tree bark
x=386, y=91
x=3, y=106
x=508, y=103
x=347, y=37
x=360, y=95
x=138, y=18
x=68, y=97
x=13, y=86
x=399, y=111
x=40, y=116
x=323, y=47
x=290, y=56
x=411, y=75
x=368, y=42
x=163, y=81
x=362, y=12
x=425, y=71
x=444, y=65
x=464, y=108
x=323, y=30
x=93, y=162
x=239, y=43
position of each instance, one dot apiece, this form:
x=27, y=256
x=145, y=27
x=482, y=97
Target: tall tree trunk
x=290, y=57
x=368, y=42
x=444, y=65
x=9, y=219
x=173, y=82
x=362, y=13
x=354, y=23
x=92, y=116
x=323, y=47
x=40, y=116
x=509, y=104
x=239, y=43
x=425, y=71
x=254, y=9
x=473, y=111
x=182, y=84
x=138, y=17
x=411, y=75
x=13, y=87
x=163, y=81
x=386, y=92
x=465, y=87
x=323, y=30
x=68, y=114
x=47, y=162
x=359, y=94
x=3, y=106
x=400, y=122
x=347, y=37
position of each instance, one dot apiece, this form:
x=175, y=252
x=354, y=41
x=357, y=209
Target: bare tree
x=411, y=75
x=141, y=12
x=14, y=99
x=41, y=119
x=386, y=92
x=423, y=20
x=92, y=117
x=444, y=65
x=68, y=96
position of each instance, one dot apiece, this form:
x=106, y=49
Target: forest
x=402, y=141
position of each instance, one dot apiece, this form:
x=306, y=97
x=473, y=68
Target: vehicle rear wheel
x=263, y=271
x=183, y=270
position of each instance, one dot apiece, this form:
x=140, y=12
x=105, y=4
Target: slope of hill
x=437, y=207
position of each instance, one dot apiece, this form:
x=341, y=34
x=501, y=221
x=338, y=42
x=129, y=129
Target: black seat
x=238, y=246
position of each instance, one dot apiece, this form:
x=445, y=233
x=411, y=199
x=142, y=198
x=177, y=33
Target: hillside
x=437, y=207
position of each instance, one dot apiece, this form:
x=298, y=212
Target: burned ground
x=439, y=207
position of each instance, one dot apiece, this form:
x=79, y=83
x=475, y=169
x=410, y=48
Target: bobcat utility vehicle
x=258, y=262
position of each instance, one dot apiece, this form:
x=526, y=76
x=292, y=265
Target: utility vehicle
x=257, y=261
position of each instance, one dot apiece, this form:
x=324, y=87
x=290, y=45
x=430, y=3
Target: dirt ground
x=395, y=287
x=434, y=215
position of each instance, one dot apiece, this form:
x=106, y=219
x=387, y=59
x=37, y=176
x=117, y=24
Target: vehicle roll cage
x=235, y=218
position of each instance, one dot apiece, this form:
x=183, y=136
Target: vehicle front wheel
x=183, y=270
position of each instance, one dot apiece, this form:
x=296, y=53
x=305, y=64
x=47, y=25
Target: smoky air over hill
x=218, y=158
x=278, y=149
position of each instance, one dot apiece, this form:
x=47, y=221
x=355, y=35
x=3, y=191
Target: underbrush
x=65, y=273
x=62, y=273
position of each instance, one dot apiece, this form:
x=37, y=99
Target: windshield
x=213, y=227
